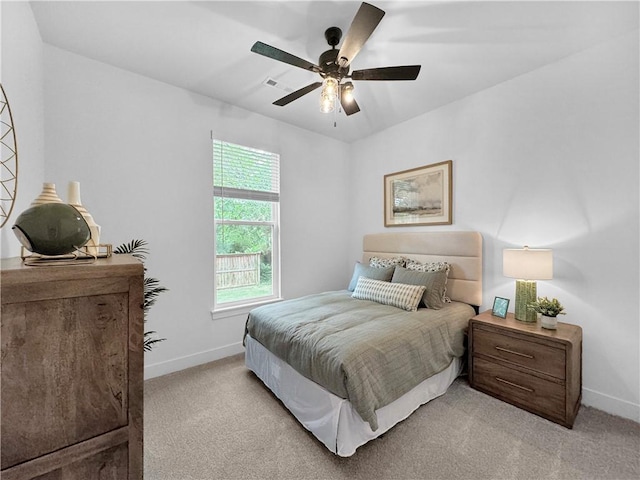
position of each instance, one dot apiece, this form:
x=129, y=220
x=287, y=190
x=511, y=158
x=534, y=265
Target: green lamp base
x=526, y=293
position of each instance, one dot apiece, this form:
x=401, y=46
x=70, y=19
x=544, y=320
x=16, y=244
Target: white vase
x=73, y=197
x=550, y=323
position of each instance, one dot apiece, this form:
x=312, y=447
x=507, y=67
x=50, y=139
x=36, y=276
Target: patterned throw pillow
x=398, y=295
x=435, y=283
x=432, y=267
x=386, y=262
x=361, y=270
x=428, y=267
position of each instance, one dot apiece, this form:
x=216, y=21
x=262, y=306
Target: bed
x=350, y=369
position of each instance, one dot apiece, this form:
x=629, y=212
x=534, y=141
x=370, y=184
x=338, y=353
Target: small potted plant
x=549, y=309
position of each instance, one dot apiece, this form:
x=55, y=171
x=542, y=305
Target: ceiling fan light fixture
x=328, y=95
x=326, y=103
x=330, y=87
x=346, y=90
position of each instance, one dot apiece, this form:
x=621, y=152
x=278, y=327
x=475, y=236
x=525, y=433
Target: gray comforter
x=368, y=353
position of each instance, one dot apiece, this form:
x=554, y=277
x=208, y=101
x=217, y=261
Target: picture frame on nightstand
x=500, y=307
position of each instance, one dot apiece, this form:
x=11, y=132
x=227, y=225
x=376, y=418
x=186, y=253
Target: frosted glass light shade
x=527, y=263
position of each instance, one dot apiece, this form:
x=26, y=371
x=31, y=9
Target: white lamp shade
x=527, y=263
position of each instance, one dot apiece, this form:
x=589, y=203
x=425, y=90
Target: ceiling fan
x=334, y=65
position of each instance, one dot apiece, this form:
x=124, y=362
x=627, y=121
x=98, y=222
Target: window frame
x=274, y=224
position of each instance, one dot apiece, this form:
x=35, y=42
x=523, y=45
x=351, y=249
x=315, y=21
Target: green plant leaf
x=137, y=248
x=149, y=342
x=151, y=286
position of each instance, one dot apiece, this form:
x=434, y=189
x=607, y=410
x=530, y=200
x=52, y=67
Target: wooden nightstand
x=523, y=364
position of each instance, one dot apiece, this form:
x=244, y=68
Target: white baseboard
x=612, y=405
x=177, y=364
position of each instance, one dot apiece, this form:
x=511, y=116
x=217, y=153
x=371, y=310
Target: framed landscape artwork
x=420, y=196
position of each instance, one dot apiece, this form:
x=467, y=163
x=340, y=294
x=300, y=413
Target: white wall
x=141, y=150
x=548, y=159
x=21, y=76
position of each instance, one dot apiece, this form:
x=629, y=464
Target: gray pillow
x=434, y=281
x=374, y=273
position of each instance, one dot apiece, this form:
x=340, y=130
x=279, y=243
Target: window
x=246, y=196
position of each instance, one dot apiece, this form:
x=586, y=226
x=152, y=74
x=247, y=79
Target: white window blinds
x=245, y=173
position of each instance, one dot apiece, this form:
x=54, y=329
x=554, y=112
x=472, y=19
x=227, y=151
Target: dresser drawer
x=533, y=355
x=532, y=393
x=64, y=373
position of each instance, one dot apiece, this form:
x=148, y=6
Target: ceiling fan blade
x=362, y=26
x=350, y=107
x=406, y=72
x=297, y=94
x=282, y=56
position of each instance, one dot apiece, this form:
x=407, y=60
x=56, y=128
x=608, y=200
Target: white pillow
x=398, y=295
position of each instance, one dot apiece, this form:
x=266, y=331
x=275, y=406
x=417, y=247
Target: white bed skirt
x=331, y=419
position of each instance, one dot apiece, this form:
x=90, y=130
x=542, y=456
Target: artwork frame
x=419, y=196
x=500, y=307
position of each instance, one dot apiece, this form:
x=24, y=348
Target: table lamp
x=527, y=265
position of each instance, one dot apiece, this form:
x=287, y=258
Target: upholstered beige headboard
x=462, y=250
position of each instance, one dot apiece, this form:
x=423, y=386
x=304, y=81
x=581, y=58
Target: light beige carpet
x=217, y=421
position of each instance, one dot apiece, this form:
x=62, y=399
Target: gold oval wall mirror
x=9, y=158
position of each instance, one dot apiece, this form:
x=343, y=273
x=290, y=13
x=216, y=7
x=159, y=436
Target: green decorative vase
x=526, y=293
x=51, y=229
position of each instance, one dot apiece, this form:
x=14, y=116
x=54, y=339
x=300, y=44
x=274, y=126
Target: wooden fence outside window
x=237, y=270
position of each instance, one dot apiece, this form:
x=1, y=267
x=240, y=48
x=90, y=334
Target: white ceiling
x=204, y=47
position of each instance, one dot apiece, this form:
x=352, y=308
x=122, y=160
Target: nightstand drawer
x=527, y=391
x=542, y=358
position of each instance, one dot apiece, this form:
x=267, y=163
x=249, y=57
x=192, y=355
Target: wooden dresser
x=72, y=370
x=521, y=363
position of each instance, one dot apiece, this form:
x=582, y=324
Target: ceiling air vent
x=272, y=82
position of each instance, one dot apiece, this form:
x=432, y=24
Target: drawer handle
x=515, y=353
x=526, y=389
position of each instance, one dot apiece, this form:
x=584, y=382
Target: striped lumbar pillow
x=398, y=295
